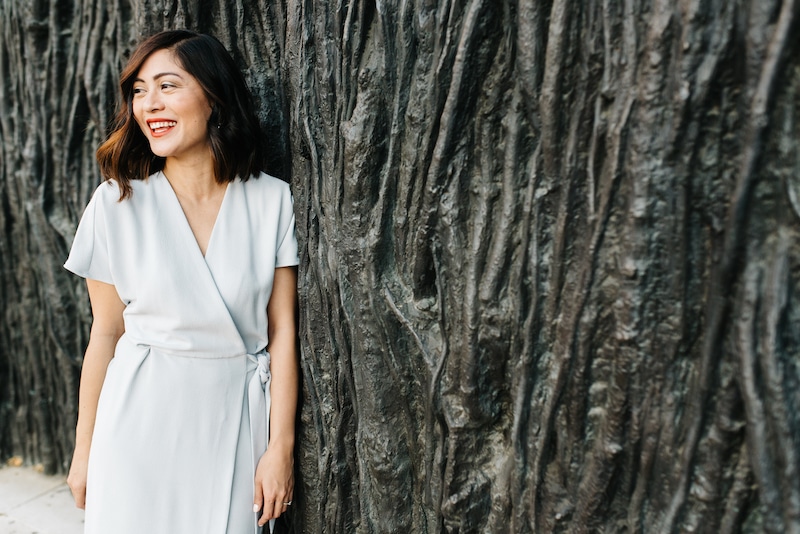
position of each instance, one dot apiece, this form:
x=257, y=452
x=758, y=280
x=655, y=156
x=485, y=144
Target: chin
x=159, y=153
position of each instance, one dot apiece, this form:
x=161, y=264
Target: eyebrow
x=160, y=75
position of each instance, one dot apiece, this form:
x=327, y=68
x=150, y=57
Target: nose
x=152, y=101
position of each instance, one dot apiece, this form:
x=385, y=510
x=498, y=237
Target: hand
x=76, y=480
x=274, y=483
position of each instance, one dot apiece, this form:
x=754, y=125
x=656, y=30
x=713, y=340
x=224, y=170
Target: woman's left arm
x=275, y=470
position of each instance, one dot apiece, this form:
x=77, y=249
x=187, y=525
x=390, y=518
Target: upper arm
x=107, y=309
x=283, y=301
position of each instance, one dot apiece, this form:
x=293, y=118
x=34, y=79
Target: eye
x=167, y=85
x=138, y=91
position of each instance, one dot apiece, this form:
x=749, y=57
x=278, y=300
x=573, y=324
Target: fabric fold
x=259, y=402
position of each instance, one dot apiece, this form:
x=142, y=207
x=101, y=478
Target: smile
x=159, y=127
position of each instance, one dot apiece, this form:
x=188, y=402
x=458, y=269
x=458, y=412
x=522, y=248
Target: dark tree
x=550, y=275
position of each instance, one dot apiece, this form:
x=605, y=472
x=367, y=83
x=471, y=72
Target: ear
x=215, y=119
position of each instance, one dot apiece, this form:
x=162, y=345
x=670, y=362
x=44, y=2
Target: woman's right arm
x=107, y=327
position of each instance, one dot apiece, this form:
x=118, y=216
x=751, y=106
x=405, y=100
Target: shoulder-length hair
x=233, y=129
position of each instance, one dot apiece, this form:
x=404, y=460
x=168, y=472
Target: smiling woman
x=169, y=70
x=189, y=383
x=171, y=109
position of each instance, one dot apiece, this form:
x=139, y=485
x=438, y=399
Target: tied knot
x=262, y=368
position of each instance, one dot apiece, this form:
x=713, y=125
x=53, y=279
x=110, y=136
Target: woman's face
x=171, y=108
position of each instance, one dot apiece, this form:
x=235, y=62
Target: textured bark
x=550, y=264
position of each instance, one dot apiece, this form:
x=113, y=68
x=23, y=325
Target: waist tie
x=259, y=402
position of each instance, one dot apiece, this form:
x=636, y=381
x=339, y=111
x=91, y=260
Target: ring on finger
x=287, y=503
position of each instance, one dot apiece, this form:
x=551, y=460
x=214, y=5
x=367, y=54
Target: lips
x=160, y=127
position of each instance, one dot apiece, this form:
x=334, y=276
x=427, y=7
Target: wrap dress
x=182, y=417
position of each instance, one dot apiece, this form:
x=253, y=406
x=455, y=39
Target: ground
x=34, y=503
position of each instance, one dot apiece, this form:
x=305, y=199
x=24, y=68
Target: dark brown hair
x=233, y=134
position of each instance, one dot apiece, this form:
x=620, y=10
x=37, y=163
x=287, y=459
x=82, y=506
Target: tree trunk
x=550, y=267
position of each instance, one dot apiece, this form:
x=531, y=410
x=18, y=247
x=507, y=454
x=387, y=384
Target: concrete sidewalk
x=33, y=503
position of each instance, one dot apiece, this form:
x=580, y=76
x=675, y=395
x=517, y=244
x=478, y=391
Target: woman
x=189, y=384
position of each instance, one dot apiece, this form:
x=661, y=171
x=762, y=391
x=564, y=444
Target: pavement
x=34, y=503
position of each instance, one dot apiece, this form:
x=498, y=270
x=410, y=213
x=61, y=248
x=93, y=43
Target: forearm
x=107, y=327
x=283, y=389
x=99, y=353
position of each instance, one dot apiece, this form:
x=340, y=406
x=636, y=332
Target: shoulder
x=107, y=192
x=110, y=190
x=263, y=183
x=265, y=190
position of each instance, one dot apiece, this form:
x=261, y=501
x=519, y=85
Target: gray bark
x=550, y=267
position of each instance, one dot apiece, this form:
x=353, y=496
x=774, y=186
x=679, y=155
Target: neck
x=195, y=179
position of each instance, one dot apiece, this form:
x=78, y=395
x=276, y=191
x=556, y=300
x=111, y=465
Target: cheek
x=207, y=112
x=202, y=116
x=137, y=113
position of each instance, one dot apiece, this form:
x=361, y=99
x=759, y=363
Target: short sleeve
x=286, y=255
x=88, y=257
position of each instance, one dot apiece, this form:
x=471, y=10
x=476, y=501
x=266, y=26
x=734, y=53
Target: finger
x=258, y=498
x=279, y=507
x=79, y=496
x=272, y=507
x=269, y=510
x=283, y=502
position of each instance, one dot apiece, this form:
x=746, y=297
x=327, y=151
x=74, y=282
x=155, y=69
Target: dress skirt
x=172, y=450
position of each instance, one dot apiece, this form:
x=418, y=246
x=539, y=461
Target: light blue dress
x=183, y=414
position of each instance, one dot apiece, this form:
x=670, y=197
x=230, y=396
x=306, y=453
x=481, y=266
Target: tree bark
x=549, y=251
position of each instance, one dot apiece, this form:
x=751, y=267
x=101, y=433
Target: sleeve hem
x=287, y=263
x=88, y=275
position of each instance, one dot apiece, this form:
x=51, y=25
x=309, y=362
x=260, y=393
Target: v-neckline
x=188, y=226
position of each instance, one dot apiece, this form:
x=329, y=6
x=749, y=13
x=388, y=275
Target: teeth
x=161, y=124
